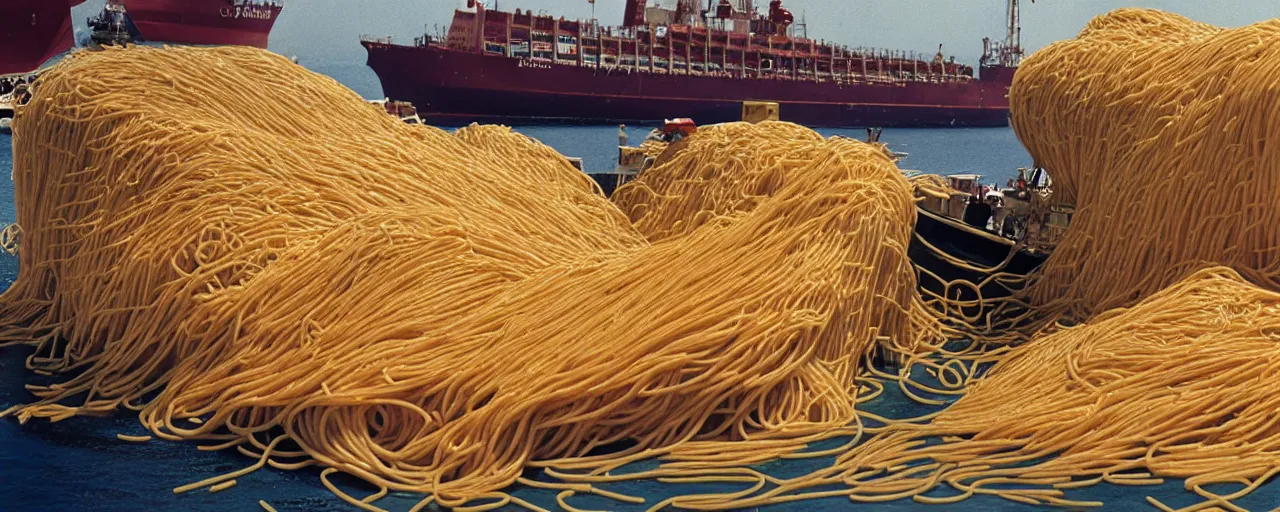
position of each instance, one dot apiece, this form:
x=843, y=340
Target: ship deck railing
x=660, y=67
x=375, y=39
x=857, y=79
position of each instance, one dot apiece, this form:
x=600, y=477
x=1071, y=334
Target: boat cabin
x=402, y=110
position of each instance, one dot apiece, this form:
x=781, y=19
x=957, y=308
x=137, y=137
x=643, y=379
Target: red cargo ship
x=32, y=32
x=496, y=66
x=213, y=22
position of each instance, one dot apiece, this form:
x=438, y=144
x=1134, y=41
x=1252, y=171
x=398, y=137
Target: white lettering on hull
x=251, y=12
x=526, y=63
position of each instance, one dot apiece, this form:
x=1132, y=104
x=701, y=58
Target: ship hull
x=33, y=31
x=457, y=87
x=211, y=22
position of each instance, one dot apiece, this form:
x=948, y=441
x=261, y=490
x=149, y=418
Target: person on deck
x=622, y=139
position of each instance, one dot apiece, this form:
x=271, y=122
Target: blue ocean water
x=79, y=465
x=992, y=152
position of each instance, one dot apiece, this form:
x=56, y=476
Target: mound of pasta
x=428, y=311
x=1167, y=389
x=717, y=173
x=1160, y=131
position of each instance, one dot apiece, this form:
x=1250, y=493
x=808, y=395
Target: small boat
x=634, y=160
x=631, y=162
x=873, y=137
x=402, y=110
x=988, y=238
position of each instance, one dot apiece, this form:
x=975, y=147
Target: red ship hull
x=457, y=87
x=212, y=22
x=32, y=32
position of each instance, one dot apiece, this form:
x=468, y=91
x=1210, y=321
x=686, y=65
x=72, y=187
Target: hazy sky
x=329, y=30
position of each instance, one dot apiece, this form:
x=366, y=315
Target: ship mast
x=1012, y=56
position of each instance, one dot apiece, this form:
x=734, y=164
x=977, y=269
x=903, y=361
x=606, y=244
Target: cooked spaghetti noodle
x=424, y=311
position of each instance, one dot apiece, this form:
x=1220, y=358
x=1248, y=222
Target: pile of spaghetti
x=428, y=311
x=1172, y=388
x=1161, y=131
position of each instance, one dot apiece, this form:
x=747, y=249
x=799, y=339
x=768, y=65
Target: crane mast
x=1007, y=53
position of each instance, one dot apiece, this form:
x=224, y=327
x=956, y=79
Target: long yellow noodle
x=1167, y=389
x=1162, y=132
x=426, y=311
x=696, y=185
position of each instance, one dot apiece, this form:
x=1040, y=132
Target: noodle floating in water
x=427, y=311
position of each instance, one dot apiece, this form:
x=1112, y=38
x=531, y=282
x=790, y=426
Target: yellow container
x=757, y=111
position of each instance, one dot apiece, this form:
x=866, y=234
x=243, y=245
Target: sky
x=329, y=30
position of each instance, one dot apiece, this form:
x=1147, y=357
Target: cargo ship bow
x=32, y=32
x=206, y=22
